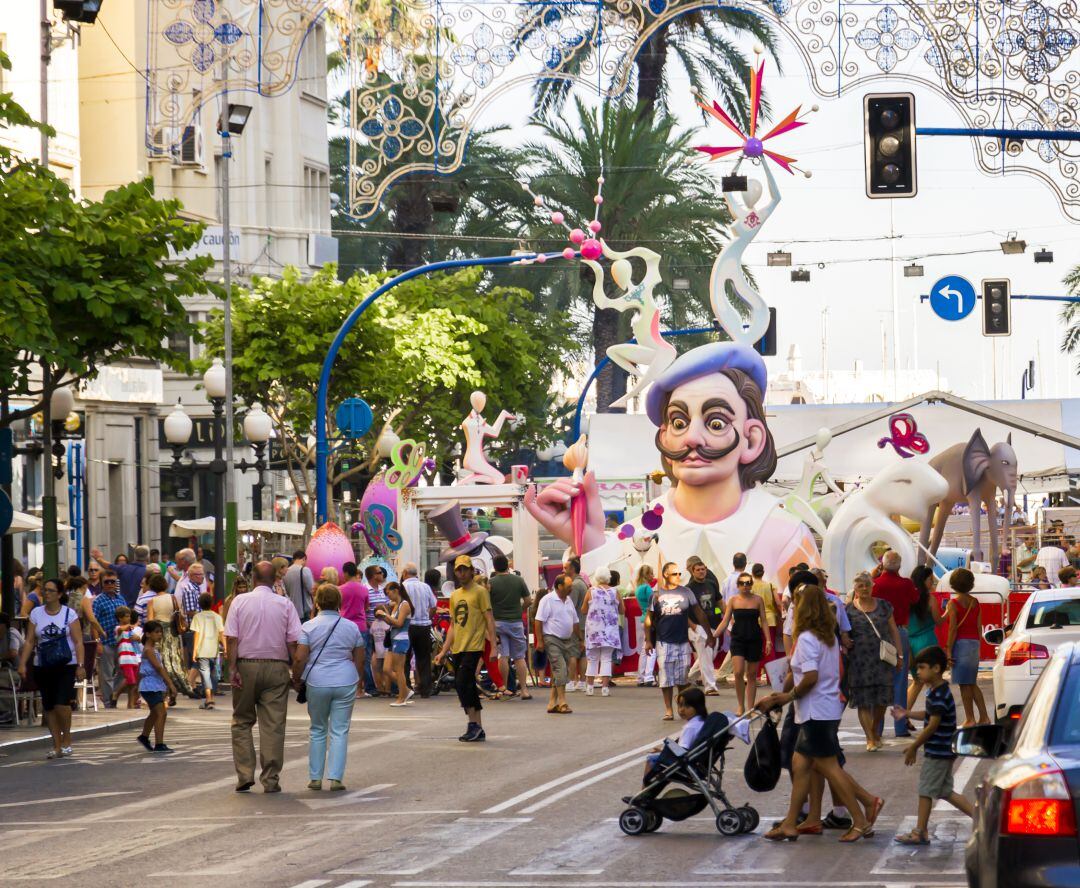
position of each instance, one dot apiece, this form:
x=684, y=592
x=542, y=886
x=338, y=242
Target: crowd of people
x=151, y=632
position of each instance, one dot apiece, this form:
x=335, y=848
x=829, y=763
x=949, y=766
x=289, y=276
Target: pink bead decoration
x=541, y=258
x=577, y=236
x=594, y=226
x=538, y=201
x=568, y=253
x=599, y=199
x=591, y=249
x=557, y=218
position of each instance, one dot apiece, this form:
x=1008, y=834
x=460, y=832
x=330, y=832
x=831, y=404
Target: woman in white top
x=54, y=637
x=814, y=685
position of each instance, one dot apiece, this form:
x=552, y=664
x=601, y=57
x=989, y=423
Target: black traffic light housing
x=889, y=129
x=996, y=307
x=84, y=11
x=767, y=344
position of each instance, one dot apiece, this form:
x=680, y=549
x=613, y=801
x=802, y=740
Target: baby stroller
x=680, y=786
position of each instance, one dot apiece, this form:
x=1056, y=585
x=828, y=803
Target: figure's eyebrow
x=717, y=402
x=678, y=405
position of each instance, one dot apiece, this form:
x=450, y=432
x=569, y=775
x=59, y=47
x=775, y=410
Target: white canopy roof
x=181, y=528
x=21, y=522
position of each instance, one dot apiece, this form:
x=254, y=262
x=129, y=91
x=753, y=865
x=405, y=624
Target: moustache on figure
x=709, y=453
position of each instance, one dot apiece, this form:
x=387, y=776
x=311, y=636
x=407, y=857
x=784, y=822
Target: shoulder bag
x=55, y=650
x=886, y=649
x=179, y=622
x=301, y=693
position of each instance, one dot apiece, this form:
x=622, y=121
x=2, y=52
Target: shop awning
x=21, y=522
x=197, y=526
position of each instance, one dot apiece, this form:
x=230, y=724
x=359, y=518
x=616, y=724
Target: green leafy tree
x=420, y=350
x=653, y=197
x=1070, y=314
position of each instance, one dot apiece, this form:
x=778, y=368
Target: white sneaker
x=588, y=690
x=402, y=703
x=66, y=751
x=571, y=686
x=409, y=696
x=605, y=692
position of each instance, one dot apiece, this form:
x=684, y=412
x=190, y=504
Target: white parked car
x=1049, y=619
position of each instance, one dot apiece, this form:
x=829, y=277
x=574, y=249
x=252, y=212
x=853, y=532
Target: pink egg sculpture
x=379, y=516
x=329, y=547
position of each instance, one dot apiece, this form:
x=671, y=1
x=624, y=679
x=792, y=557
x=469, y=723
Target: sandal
x=668, y=718
x=553, y=710
x=853, y=835
x=563, y=708
x=913, y=838
x=813, y=829
x=872, y=815
x=777, y=834
x=525, y=696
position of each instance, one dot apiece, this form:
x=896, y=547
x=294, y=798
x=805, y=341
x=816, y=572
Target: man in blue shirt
x=130, y=575
x=104, y=607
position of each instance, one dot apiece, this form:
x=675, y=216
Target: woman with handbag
x=54, y=637
x=873, y=660
x=328, y=684
x=164, y=608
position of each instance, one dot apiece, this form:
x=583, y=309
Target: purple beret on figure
x=703, y=361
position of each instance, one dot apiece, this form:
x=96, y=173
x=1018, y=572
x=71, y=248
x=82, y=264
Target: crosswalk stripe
x=944, y=856
x=585, y=854
x=17, y=838
x=312, y=883
x=350, y=797
x=745, y=854
x=417, y=852
x=580, y=785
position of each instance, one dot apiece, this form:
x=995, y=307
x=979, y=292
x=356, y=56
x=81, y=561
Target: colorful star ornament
x=584, y=239
x=753, y=145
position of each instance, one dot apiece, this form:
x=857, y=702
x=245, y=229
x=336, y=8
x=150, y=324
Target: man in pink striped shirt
x=261, y=633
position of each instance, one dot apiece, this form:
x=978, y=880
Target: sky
x=828, y=219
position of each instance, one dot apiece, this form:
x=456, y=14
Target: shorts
x=153, y=698
x=56, y=684
x=674, y=663
x=378, y=639
x=818, y=739
x=935, y=777
x=205, y=665
x=789, y=738
x=511, y=636
x=400, y=645
x=965, y=654
x=559, y=656
x=131, y=674
x=751, y=651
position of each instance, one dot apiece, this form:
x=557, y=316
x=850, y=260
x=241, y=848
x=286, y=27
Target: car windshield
x=1054, y=612
x=1066, y=729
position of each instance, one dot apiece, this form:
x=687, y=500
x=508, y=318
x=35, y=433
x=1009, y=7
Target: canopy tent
x=21, y=522
x=621, y=446
x=196, y=526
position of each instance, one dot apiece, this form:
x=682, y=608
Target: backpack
x=762, y=768
x=55, y=650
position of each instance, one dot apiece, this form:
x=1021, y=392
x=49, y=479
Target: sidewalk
x=83, y=724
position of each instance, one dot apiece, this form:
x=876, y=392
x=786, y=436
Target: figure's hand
x=95, y=553
x=539, y=644
x=910, y=753
x=551, y=508
x=766, y=704
x=235, y=680
x=22, y=671
x=439, y=657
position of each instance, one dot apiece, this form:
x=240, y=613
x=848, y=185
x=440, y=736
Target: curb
x=76, y=733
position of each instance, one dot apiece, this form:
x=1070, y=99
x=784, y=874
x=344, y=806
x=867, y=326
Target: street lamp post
x=178, y=428
x=55, y=411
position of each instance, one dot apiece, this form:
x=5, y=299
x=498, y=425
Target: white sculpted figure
x=477, y=469
x=728, y=265
x=650, y=355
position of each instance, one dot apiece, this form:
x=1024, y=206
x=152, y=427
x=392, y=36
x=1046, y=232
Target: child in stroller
x=684, y=777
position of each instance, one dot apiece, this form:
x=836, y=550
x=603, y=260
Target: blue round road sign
x=952, y=298
x=353, y=417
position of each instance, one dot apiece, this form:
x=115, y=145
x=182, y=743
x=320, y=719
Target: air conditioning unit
x=162, y=142
x=190, y=152
x=322, y=248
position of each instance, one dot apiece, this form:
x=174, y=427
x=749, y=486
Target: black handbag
x=301, y=693
x=762, y=768
x=55, y=650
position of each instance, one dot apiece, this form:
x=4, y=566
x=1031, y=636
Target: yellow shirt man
x=469, y=607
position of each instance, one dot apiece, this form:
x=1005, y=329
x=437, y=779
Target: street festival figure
x=714, y=445
x=478, y=469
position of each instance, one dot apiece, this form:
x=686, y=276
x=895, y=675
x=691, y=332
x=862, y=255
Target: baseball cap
x=463, y=561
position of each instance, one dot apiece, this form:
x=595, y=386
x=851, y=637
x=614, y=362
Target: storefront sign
x=124, y=385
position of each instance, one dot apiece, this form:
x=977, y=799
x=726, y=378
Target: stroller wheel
x=633, y=821
x=653, y=821
x=750, y=818
x=729, y=822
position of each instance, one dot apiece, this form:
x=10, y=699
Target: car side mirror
x=994, y=636
x=979, y=741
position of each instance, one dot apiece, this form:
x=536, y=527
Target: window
x=316, y=199
x=268, y=192
x=313, y=62
x=181, y=342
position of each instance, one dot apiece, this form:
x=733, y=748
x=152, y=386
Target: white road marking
x=585, y=854
x=577, y=787
x=312, y=883
x=944, y=856
x=355, y=883
x=747, y=854
x=419, y=851
x=17, y=838
x=649, y=883
x=566, y=778
x=225, y=782
x=92, y=795
x=349, y=797
x=960, y=781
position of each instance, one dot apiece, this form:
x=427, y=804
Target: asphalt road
x=536, y=805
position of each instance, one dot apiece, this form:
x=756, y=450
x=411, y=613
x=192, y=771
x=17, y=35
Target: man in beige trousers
x=261, y=634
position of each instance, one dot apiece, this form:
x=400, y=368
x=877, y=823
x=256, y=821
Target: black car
x=1028, y=805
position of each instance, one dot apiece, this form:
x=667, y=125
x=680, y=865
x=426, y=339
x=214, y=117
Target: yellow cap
x=462, y=561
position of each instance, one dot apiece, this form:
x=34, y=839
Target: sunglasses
x=93, y=570
x=745, y=583
x=112, y=581
x=674, y=573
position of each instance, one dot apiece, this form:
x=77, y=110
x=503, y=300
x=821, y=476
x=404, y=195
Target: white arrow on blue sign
x=952, y=298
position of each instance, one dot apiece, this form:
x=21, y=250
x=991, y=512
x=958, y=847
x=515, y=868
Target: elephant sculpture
x=975, y=471
x=864, y=520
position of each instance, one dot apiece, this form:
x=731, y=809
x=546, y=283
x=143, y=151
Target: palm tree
x=702, y=42
x=1070, y=314
x=657, y=199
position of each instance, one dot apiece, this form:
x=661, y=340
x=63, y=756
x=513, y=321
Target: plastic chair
x=20, y=695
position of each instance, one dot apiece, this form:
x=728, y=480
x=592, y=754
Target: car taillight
x=1038, y=806
x=1020, y=652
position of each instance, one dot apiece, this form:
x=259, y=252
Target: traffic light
x=767, y=344
x=889, y=129
x=997, y=307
